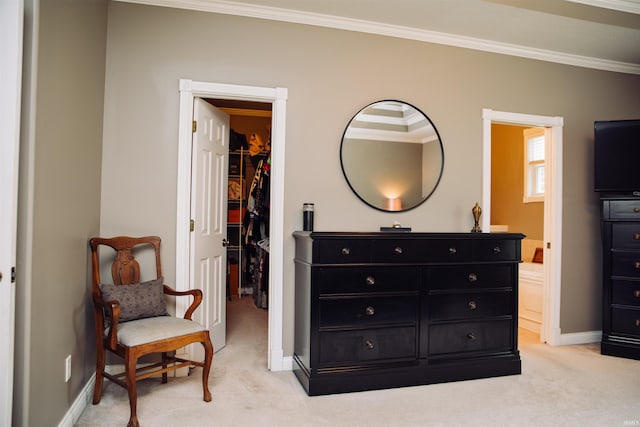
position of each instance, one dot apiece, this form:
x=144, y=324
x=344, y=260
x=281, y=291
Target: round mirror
x=391, y=156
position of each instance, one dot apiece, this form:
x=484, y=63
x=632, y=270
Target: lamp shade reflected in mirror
x=391, y=156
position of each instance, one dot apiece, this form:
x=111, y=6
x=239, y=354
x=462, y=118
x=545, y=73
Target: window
x=534, y=145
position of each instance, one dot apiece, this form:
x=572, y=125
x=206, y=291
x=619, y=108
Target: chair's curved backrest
x=125, y=270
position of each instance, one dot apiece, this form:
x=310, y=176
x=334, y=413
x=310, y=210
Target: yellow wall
x=507, y=184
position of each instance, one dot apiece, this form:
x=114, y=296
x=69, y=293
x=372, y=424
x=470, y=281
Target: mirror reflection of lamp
x=393, y=204
x=392, y=198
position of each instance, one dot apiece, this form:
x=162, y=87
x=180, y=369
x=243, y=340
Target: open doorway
x=552, y=211
x=248, y=214
x=517, y=204
x=189, y=90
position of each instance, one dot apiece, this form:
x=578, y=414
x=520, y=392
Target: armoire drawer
x=367, y=345
x=624, y=209
x=625, y=321
x=463, y=337
x=369, y=311
x=347, y=280
x=471, y=305
x=625, y=264
x=625, y=235
x=625, y=292
x=471, y=277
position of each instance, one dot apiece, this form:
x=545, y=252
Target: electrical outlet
x=67, y=369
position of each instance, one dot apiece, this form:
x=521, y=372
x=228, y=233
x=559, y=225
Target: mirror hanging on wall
x=391, y=156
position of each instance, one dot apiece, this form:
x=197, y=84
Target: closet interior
x=248, y=202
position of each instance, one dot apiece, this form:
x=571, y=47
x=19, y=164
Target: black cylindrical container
x=307, y=216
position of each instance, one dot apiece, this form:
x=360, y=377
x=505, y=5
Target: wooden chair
x=131, y=321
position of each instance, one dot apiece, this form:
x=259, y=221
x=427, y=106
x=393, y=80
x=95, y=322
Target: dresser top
x=381, y=235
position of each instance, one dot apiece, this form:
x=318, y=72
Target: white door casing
x=11, y=22
x=189, y=90
x=210, y=153
x=550, y=332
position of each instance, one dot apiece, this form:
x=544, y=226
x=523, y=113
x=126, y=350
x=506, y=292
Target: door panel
x=11, y=19
x=209, y=212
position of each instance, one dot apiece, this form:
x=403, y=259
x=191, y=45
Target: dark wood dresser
x=621, y=276
x=382, y=310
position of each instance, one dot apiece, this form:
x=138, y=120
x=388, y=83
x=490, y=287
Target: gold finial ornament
x=476, y=211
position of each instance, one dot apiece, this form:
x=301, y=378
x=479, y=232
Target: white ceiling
x=600, y=34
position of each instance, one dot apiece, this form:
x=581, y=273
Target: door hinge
x=194, y=126
x=192, y=225
x=548, y=245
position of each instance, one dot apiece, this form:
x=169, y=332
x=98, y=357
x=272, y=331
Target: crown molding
x=349, y=24
x=629, y=6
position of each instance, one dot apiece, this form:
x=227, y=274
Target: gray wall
x=59, y=204
x=331, y=74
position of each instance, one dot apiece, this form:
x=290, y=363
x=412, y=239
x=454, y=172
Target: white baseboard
x=287, y=363
x=580, y=338
x=81, y=402
x=280, y=362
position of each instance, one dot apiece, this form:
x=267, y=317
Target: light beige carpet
x=559, y=386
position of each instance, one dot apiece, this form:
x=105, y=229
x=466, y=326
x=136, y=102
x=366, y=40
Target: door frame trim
x=550, y=331
x=277, y=96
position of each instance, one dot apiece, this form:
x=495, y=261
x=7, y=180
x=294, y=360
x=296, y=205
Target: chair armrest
x=112, y=308
x=197, y=298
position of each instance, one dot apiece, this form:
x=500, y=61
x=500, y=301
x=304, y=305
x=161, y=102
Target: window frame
x=530, y=165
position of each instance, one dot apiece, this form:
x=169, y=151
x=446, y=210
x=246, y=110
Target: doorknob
x=225, y=243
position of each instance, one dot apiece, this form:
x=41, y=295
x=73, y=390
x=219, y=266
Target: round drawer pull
x=472, y=305
x=473, y=277
x=636, y=264
x=370, y=311
x=452, y=251
x=636, y=293
x=370, y=280
x=497, y=250
x=346, y=251
x=638, y=323
x=397, y=250
x=636, y=236
x=636, y=210
x=471, y=336
x=370, y=345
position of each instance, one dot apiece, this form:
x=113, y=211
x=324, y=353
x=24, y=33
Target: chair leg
x=164, y=366
x=100, y=361
x=130, y=368
x=208, y=358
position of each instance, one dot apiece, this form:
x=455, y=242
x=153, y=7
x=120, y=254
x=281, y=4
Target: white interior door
x=11, y=17
x=210, y=153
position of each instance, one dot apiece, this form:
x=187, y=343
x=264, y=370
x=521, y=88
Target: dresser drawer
x=489, y=336
x=625, y=292
x=420, y=250
x=346, y=280
x=625, y=235
x=496, y=250
x=367, y=345
x=342, y=251
x=624, y=209
x=471, y=277
x=470, y=305
x=625, y=264
x=625, y=321
x=445, y=250
x=370, y=311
